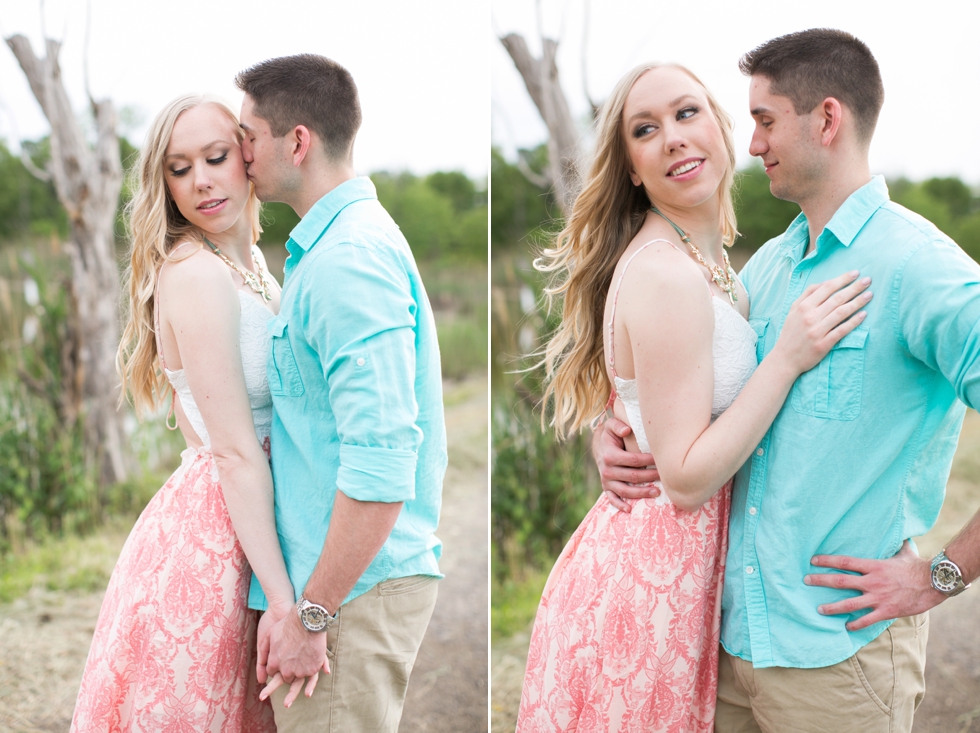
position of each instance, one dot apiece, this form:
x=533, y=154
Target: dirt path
x=448, y=690
x=45, y=636
x=952, y=701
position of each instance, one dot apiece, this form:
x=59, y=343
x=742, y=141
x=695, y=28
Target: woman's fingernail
x=866, y=281
x=854, y=273
x=867, y=295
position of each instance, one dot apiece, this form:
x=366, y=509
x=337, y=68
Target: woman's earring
x=635, y=179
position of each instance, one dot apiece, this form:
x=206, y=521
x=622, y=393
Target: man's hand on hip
x=624, y=475
x=897, y=586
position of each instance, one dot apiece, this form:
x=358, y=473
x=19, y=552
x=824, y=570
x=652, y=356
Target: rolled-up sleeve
x=362, y=324
x=938, y=294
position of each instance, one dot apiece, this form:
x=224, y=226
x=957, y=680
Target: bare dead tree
x=540, y=76
x=87, y=180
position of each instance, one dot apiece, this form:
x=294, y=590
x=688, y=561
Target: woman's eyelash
x=179, y=172
x=216, y=161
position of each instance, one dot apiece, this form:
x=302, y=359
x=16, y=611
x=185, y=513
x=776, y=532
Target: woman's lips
x=212, y=206
x=685, y=170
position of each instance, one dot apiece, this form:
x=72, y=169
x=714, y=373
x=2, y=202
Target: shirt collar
x=319, y=218
x=854, y=213
x=846, y=222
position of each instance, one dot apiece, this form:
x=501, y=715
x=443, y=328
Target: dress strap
x=156, y=320
x=158, y=337
x=612, y=314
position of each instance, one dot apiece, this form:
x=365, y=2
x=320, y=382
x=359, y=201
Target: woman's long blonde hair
x=607, y=214
x=156, y=226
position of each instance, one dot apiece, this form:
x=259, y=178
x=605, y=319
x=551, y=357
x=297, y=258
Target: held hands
x=624, y=475
x=820, y=317
x=288, y=653
x=897, y=586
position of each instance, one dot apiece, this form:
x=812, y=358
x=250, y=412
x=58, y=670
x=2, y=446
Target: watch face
x=945, y=577
x=314, y=618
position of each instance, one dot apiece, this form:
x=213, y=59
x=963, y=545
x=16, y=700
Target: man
x=857, y=460
x=359, y=444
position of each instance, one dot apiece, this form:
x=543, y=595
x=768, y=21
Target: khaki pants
x=875, y=691
x=372, y=647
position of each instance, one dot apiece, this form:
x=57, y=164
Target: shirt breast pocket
x=284, y=377
x=832, y=389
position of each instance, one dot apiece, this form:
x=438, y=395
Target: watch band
x=946, y=576
x=313, y=616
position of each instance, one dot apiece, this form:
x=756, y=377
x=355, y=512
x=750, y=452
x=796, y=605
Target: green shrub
x=49, y=482
x=540, y=488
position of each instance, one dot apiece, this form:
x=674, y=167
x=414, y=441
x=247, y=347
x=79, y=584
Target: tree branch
x=540, y=77
x=534, y=178
x=38, y=173
x=585, y=65
x=88, y=29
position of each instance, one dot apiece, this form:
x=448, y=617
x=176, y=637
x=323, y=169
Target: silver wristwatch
x=314, y=617
x=946, y=576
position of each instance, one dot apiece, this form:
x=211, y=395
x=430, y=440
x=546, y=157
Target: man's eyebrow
x=244, y=127
x=759, y=111
x=203, y=149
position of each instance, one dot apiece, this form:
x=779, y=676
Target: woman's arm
x=673, y=363
x=201, y=306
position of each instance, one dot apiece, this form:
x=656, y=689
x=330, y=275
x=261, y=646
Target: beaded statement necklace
x=258, y=283
x=724, y=278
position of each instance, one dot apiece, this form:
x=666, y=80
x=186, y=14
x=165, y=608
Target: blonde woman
x=654, y=324
x=175, y=639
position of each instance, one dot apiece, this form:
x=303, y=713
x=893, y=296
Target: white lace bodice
x=255, y=345
x=732, y=349
x=734, y=354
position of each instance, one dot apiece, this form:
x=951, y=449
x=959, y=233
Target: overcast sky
x=422, y=67
x=928, y=51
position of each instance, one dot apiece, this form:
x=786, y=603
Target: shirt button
x=753, y=511
x=760, y=452
x=360, y=361
x=749, y=570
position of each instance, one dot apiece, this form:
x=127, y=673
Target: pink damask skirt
x=626, y=636
x=175, y=638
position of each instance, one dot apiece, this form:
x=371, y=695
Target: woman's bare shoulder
x=660, y=266
x=194, y=268
x=196, y=283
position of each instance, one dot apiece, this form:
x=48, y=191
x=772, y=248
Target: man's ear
x=829, y=113
x=300, y=140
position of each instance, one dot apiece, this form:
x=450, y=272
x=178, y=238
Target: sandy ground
x=448, y=689
x=952, y=701
x=45, y=636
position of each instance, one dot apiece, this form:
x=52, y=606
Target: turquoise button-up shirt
x=858, y=458
x=357, y=389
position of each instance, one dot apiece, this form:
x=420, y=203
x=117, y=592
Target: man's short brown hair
x=307, y=90
x=809, y=66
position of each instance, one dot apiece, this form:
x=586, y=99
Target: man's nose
x=757, y=146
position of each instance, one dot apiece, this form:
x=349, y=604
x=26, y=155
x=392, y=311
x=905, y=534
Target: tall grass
x=540, y=488
x=48, y=485
x=458, y=294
